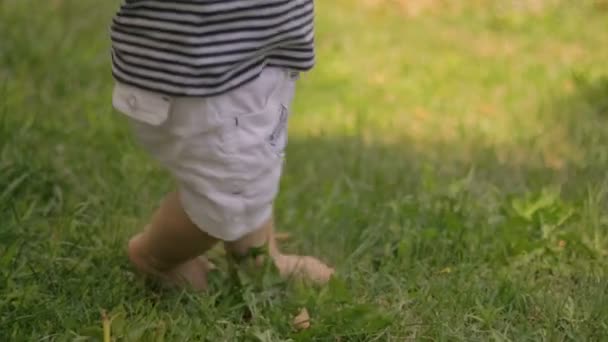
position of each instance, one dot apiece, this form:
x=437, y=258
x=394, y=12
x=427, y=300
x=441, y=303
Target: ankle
x=251, y=255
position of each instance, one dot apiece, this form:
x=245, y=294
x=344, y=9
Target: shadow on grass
x=392, y=218
x=453, y=203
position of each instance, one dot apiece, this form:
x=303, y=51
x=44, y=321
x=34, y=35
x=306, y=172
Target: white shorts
x=225, y=152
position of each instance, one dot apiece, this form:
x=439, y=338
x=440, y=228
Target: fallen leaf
x=446, y=270
x=106, y=323
x=302, y=320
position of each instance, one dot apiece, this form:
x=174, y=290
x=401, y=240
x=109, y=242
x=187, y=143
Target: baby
x=207, y=88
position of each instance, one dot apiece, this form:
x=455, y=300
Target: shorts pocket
x=257, y=137
x=277, y=140
x=141, y=105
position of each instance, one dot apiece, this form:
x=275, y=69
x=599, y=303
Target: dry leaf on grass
x=302, y=320
x=106, y=323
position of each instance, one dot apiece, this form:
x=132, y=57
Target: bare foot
x=292, y=266
x=303, y=267
x=191, y=274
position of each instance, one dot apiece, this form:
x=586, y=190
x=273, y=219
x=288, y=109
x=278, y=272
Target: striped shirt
x=207, y=47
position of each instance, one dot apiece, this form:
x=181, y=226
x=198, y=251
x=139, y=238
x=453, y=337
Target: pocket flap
x=142, y=105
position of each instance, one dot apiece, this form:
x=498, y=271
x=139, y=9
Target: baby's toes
x=306, y=267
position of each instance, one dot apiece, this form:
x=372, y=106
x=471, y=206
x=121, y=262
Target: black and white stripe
x=207, y=47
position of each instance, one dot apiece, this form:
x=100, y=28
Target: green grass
x=451, y=165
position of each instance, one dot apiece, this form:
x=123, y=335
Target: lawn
x=451, y=164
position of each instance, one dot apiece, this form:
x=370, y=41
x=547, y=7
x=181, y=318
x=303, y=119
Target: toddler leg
x=169, y=248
